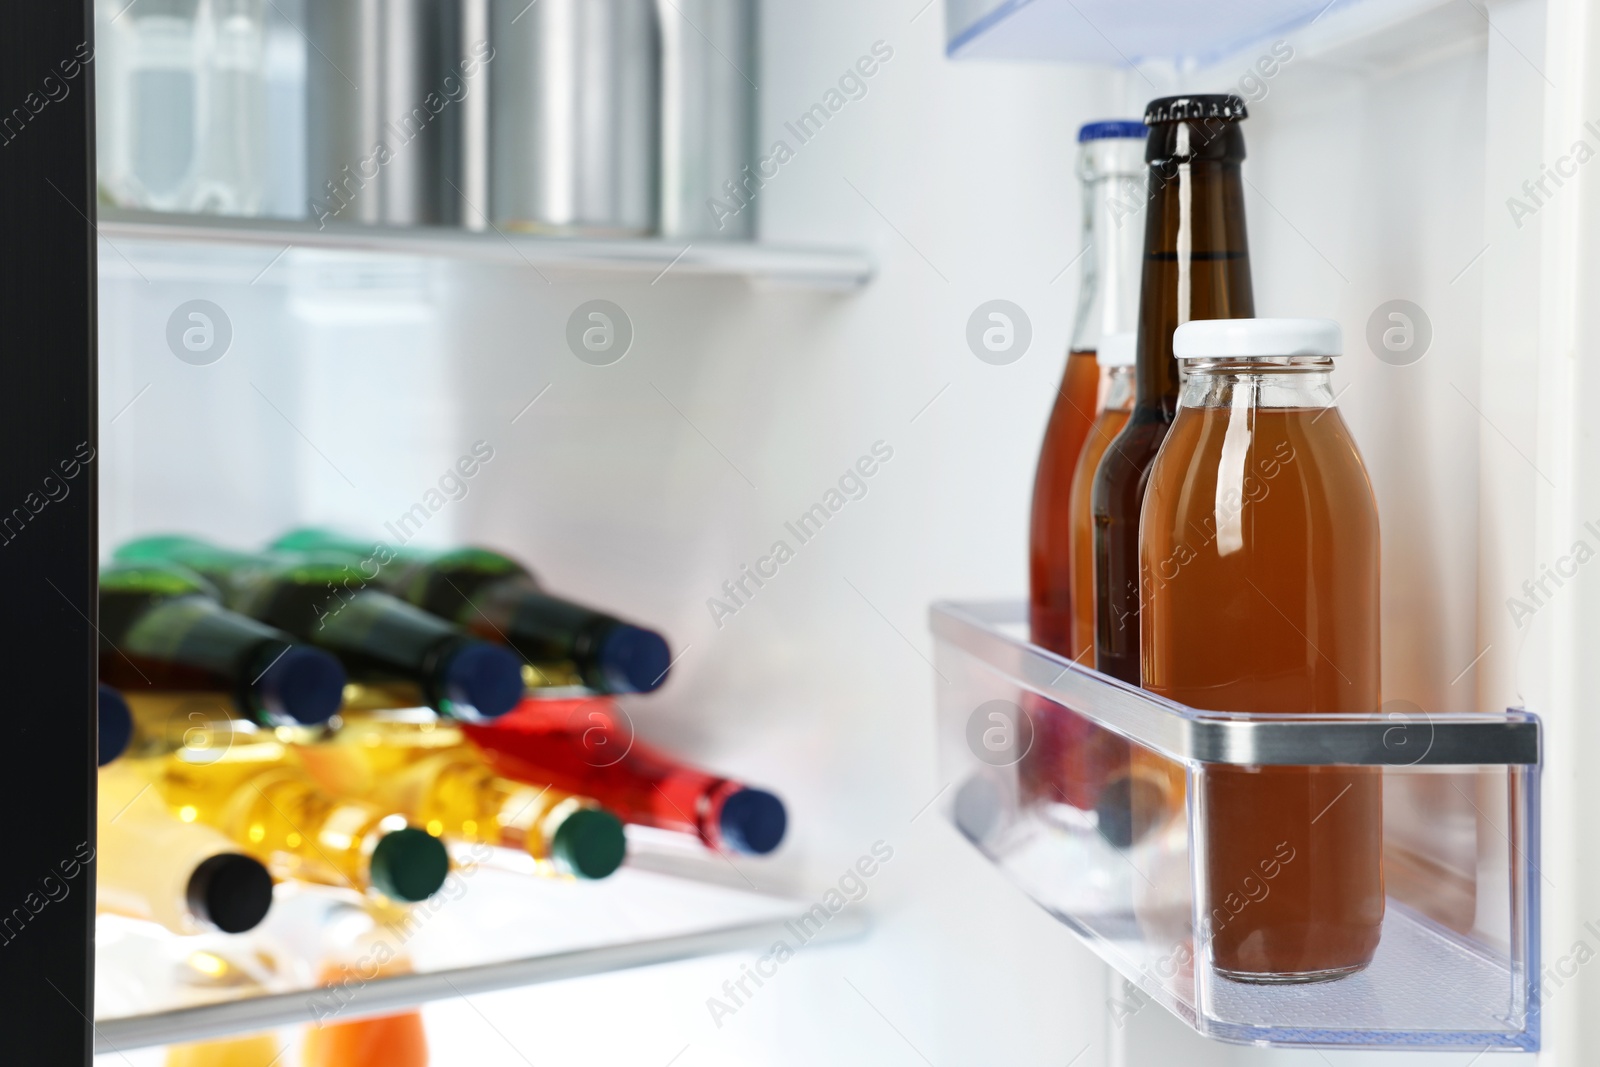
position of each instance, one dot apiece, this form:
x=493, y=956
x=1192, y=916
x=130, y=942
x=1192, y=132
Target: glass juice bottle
x=1111, y=168
x=587, y=747
x=154, y=866
x=1115, y=357
x=1260, y=561
x=1196, y=266
x=409, y=761
x=268, y=805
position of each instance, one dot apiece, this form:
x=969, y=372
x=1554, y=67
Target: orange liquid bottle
x=1259, y=566
x=1116, y=400
x=1111, y=168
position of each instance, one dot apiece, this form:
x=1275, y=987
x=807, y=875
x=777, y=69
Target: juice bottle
x=1111, y=169
x=1115, y=357
x=1196, y=266
x=586, y=747
x=272, y=809
x=154, y=866
x=1259, y=556
x=423, y=768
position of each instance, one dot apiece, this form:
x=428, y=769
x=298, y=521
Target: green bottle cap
x=409, y=865
x=589, y=843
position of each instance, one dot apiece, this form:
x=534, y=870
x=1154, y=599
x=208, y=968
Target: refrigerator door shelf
x=1088, y=794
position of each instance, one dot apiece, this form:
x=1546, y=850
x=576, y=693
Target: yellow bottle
x=198, y=722
x=425, y=769
x=261, y=1050
x=153, y=866
x=257, y=795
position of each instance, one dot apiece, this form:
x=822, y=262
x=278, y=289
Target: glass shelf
x=162, y=236
x=1092, y=796
x=1186, y=35
x=491, y=928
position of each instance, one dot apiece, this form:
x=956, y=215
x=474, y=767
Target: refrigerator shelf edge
x=829, y=269
x=1123, y=33
x=386, y=995
x=1181, y=733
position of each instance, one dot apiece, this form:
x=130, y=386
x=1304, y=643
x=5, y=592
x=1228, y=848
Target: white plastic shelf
x=499, y=929
x=1091, y=796
x=196, y=238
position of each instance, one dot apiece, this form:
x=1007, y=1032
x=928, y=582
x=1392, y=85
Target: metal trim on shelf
x=1182, y=733
x=384, y=995
x=815, y=267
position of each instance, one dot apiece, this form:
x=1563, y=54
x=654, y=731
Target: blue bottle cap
x=1108, y=130
x=633, y=659
x=753, y=821
x=482, y=680
x=116, y=724
x=304, y=684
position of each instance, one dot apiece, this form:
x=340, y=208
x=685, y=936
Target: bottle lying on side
x=413, y=763
x=164, y=628
x=585, y=747
x=380, y=639
x=256, y=794
x=154, y=866
x=114, y=724
x=498, y=599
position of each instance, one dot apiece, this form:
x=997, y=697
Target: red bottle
x=587, y=747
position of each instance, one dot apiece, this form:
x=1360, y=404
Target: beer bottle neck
x=1196, y=264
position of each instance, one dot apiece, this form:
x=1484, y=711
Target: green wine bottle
x=163, y=627
x=382, y=641
x=499, y=599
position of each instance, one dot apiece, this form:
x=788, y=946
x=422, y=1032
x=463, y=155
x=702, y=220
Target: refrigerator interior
x=1378, y=168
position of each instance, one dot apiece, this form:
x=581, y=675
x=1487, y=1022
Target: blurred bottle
x=355, y=947
x=232, y=166
x=256, y=795
x=498, y=599
x=162, y=628
x=257, y=1050
x=1111, y=169
x=380, y=639
x=115, y=725
x=182, y=875
x=585, y=747
x=428, y=772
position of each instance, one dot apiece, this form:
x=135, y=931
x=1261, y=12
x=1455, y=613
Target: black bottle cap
x=1195, y=108
x=589, y=843
x=303, y=684
x=231, y=892
x=482, y=680
x=409, y=865
x=116, y=724
x=753, y=822
x=633, y=659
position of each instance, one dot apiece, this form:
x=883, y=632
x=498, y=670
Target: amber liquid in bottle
x=1108, y=423
x=1262, y=596
x=1049, y=554
x=1196, y=266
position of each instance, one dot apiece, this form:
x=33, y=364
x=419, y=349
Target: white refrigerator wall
x=352, y=384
